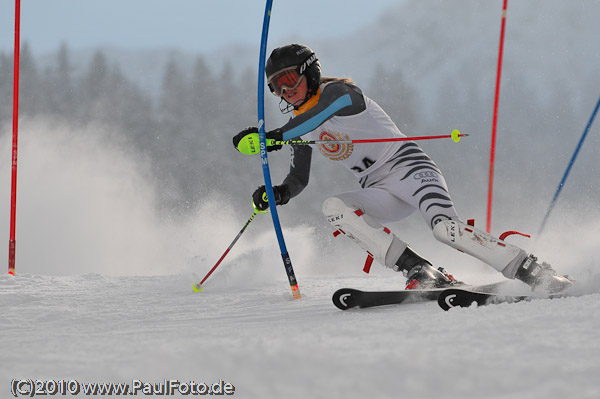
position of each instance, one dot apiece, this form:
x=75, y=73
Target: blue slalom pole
x=287, y=262
x=564, y=178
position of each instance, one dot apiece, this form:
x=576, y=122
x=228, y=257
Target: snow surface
x=97, y=328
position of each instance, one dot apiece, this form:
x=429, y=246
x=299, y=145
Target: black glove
x=238, y=137
x=281, y=193
x=276, y=135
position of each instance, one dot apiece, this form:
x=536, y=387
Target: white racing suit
x=397, y=179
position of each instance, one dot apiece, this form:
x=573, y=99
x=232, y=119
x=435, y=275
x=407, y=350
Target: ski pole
x=454, y=136
x=198, y=286
x=249, y=144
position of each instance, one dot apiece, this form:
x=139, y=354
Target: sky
x=192, y=25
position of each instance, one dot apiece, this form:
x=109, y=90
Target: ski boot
x=420, y=274
x=541, y=276
x=426, y=276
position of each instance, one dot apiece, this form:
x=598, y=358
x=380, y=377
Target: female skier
x=396, y=178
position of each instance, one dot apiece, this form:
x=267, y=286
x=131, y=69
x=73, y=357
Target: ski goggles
x=286, y=79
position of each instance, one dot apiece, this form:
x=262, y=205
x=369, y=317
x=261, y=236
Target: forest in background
x=185, y=132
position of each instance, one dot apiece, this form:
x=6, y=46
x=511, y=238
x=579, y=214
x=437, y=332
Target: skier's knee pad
x=502, y=256
x=371, y=236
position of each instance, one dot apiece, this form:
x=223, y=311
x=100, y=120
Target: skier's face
x=296, y=95
x=289, y=85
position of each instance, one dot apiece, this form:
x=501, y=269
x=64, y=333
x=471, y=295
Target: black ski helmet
x=299, y=56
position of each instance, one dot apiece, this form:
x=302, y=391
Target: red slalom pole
x=495, y=120
x=13, y=192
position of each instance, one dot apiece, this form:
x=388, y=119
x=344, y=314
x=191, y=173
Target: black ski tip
x=455, y=297
x=346, y=298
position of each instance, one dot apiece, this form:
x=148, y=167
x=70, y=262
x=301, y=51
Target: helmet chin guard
x=286, y=107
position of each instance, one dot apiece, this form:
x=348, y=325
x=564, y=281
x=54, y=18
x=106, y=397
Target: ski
x=464, y=298
x=348, y=298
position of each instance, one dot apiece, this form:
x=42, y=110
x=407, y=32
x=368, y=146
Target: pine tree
x=58, y=86
x=6, y=87
x=30, y=102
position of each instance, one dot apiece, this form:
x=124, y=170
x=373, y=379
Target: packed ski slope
x=95, y=328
